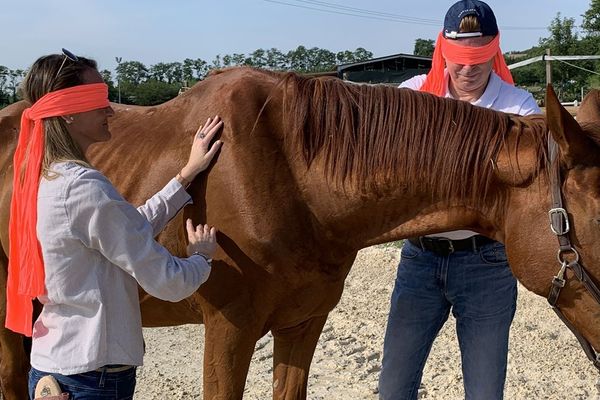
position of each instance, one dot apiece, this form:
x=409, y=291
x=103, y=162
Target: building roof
x=392, y=69
x=392, y=57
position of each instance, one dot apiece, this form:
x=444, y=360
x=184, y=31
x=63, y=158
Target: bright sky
x=154, y=31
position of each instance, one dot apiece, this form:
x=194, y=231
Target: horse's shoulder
x=10, y=119
x=234, y=87
x=12, y=111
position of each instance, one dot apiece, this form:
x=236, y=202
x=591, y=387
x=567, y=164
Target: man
x=461, y=270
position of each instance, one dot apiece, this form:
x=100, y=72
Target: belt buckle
x=450, y=248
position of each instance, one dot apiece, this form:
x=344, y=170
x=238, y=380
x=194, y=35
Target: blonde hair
x=59, y=146
x=41, y=79
x=470, y=23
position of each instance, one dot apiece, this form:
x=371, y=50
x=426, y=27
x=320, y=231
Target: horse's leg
x=227, y=354
x=14, y=363
x=14, y=366
x=292, y=354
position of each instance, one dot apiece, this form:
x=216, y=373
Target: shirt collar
x=489, y=96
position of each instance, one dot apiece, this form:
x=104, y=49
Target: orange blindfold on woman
x=26, y=266
x=448, y=49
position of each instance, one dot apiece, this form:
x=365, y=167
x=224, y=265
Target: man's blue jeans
x=93, y=385
x=481, y=291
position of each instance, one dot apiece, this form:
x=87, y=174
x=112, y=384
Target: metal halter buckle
x=559, y=279
x=564, y=221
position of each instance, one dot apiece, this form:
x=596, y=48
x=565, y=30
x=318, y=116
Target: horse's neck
x=360, y=219
x=385, y=164
x=400, y=208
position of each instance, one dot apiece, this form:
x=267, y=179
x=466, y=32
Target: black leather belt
x=445, y=247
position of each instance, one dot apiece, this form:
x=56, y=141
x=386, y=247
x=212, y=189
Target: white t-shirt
x=499, y=96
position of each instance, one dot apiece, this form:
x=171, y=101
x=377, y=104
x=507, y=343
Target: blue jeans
x=481, y=290
x=93, y=385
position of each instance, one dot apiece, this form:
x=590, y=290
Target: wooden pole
x=548, y=69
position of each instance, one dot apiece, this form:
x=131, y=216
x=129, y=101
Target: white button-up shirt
x=96, y=248
x=499, y=96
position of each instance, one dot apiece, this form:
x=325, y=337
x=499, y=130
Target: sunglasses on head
x=68, y=56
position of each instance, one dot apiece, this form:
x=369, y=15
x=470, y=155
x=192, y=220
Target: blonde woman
x=79, y=247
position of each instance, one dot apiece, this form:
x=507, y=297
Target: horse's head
x=578, y=184
x=579, y=155
x=534, y=186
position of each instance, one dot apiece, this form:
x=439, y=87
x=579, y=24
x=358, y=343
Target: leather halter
x=559, y=224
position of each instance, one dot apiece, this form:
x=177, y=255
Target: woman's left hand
x=201, y=154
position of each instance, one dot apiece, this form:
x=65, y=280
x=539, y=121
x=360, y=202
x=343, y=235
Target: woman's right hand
x=202, y=239
x=202, y=151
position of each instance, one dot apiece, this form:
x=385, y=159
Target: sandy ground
x=545, y=360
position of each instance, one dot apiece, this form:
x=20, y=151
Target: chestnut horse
x=311, y=171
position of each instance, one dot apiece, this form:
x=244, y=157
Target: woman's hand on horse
x=202, y=151
x=202, y=239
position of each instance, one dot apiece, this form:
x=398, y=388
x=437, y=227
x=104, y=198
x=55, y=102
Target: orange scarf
x=447, y=49
x=26, y=267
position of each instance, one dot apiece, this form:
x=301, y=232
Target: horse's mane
x=373, y=133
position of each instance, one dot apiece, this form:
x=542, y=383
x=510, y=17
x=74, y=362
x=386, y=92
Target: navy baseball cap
x=463, y=8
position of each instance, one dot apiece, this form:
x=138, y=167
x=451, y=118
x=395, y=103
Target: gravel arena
x=545, y=360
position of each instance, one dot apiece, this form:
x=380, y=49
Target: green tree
x=107, y=76
x=361, y=54
x=216, y=63
x=345, y=57
x=563, y=39
x=319, y=60
x=424, y=47
x=348, y=57
x=275, y=59
x=133, y=72
x=258, y=58
x=193, y=70
x=187, y=71
x=174, y=73
x=112, y=90
x=14, y=78
x=298, y=59
x=158, y=71
x=591, y=19
x=152, y=92
x=4, y=97
x=238, y=59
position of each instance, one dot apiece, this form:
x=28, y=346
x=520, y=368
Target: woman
x=79, y=247
x=460, y=270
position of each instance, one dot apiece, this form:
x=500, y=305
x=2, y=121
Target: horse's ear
x=575, y=147
x=589, y=110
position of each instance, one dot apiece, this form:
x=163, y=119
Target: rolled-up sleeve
x=104, y=221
